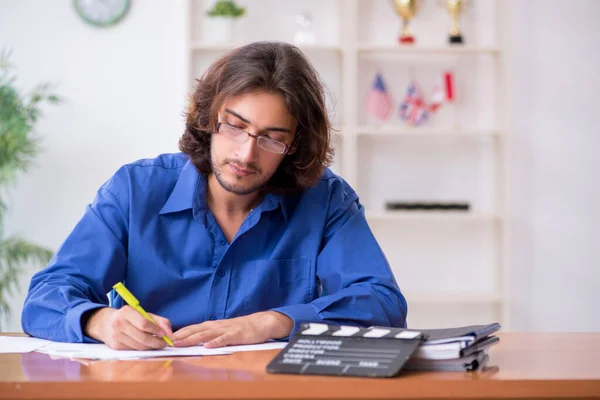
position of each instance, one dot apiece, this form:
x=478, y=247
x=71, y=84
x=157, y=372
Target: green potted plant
x=19, y=145
x=219, y=24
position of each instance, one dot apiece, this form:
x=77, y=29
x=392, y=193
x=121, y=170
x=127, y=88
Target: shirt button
x=221, y=273
x=222, y=242
x=213, y=318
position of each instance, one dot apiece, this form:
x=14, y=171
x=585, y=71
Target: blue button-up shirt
x=310, y=256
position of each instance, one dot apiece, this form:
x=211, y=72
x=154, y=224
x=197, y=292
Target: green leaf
x=36, y=98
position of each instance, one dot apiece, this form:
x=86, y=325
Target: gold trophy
x=455, y=8
x=406, y=9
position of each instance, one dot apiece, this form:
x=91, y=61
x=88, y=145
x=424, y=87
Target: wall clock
x=102, y=13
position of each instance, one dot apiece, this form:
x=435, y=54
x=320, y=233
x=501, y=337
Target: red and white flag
x=443, y=91
x=378, y=102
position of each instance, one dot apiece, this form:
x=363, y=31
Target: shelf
x=442, y=50
x=390, y=130
x=199, y=46
x=365, y=48
x=431, y=216
x=451, y=298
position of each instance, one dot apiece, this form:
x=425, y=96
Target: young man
x=237, y=240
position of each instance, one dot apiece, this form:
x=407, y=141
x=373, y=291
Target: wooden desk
x=523, y=365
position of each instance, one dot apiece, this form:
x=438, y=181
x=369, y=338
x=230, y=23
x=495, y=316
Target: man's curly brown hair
x=273, y=67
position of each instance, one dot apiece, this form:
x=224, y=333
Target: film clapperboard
x=323, y=349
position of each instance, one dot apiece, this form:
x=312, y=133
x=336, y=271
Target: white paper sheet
x=256, y=347
x=20, y=344
x=103, y=352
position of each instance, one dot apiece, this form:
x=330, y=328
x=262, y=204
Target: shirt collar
x=271, y=202
x=191, y=186
x=184, y=192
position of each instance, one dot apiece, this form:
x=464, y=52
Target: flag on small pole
x=378, y=102
x=413, y=108
x=443, y=91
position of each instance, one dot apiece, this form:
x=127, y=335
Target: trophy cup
x=406, y=9
x=455, y=8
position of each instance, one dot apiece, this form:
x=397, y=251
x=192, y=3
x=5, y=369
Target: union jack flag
x=413, y=108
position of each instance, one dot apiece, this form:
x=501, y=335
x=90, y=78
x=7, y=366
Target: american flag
x=378, y=102
x=413, y=109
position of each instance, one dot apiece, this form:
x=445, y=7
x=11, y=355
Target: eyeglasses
x=240, y=136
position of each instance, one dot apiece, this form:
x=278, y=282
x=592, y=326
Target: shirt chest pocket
x=274, y=283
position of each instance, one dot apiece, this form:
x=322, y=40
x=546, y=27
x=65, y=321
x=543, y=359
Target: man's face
x=243, y=168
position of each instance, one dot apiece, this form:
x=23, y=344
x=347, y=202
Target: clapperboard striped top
x=317, y=329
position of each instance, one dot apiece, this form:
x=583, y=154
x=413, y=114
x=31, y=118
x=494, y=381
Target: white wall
x=556, y=265
x=125, y=89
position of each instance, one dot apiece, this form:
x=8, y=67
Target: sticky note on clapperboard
x=323, y=349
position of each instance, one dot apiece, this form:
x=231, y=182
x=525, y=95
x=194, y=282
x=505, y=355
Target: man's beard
x=232, y=188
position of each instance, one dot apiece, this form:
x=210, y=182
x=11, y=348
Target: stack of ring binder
x=455, y=349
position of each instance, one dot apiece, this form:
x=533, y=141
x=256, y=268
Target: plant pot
x=218, y=30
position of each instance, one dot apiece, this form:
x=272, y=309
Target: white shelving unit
x=433, y=216
x=452, y=267
x=395, y=50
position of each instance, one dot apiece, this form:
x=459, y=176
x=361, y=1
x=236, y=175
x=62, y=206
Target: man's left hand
x=250, y=329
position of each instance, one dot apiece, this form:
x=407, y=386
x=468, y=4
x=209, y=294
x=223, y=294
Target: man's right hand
x=126, y=329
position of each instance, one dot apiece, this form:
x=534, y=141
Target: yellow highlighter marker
x=133, y=302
